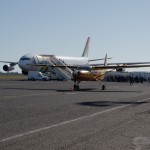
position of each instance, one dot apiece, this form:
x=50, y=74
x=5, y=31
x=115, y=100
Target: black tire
x=103, y=87
x=76, y=87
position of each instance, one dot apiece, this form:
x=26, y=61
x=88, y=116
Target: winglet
x=86, y=49
x=105, y=61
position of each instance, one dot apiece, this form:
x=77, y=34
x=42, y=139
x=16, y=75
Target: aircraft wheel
x=103, y=87
x=76, y=87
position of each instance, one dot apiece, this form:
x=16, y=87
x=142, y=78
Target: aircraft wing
x=10, y=62
x=123, y=63
x=118, y=67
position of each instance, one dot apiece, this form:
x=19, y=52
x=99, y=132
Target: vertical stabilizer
x=105, y=61
x=86, y=49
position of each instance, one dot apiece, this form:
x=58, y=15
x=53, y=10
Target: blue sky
x=120, y=28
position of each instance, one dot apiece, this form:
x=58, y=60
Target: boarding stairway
x=63, y=73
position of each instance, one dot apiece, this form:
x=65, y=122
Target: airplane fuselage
x=48, y=60
x=89, y=75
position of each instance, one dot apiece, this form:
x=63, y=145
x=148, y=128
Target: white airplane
x=47, y=59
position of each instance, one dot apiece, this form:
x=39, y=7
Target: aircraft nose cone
x=23, y=64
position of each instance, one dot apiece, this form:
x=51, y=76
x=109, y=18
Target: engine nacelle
x=120, y=69
x=8, y=68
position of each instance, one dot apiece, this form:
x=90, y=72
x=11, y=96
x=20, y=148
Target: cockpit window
x=25, y=59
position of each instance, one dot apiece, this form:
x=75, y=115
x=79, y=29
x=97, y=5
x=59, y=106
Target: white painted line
x=67, y=122
x=71, y=93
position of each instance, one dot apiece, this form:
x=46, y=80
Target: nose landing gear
x=76, y=87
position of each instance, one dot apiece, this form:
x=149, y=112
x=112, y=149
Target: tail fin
x=86, y=49
x=105, y=61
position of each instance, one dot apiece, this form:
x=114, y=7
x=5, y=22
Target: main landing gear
x=103, y=86
x=76, y=86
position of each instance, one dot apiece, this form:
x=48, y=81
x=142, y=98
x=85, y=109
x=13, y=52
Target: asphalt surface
x=50, y=116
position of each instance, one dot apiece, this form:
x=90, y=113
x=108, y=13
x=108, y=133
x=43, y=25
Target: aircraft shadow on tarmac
x=49, y=89
x=71, y=90
x=31, y=89
x=96, y=90
x=109, y=103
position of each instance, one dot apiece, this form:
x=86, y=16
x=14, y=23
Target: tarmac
x=49, y=115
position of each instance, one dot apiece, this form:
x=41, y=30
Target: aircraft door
x=37, y=59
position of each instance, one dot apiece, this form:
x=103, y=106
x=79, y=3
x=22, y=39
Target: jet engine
x=8, y=68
